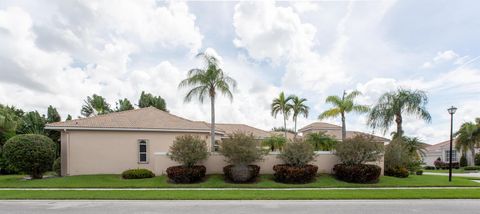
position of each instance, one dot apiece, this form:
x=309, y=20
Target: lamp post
x=451, y=111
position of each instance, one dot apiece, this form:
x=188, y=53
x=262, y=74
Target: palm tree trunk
x=398, y=120
x=295, y=128
x=472, y=150
x=344, y=128
x=212, y=124
x=285, y=124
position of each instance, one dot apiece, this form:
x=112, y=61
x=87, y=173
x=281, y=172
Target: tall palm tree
x=207, y=82
x=392, y=105
x=467, y=137
x=298, y=108
x=281, y=105
x=342, y=106
x=95, y=105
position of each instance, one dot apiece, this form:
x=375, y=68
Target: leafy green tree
x=342, y=106
x=53, y=116
x=208, y=81
x=392, y=106
x=124, y=105
x=9, y=120
x=321, y=141
x=274, y=142
x=281, y=105
x=69, y=117
x=95, y=105
x=32, y=123
x=298, y=108
x=282, y=129
x=467, y=137
x=147, y=100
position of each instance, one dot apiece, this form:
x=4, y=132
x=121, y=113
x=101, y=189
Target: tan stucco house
x=442, y=150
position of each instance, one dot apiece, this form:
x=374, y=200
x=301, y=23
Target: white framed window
x=447, y=156
x=142, y=151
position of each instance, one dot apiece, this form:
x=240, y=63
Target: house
x=442, y=150
x=335, y=131
x=230, y=128
x=140, y=138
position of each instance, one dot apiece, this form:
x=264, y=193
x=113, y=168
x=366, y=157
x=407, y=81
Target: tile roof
x=336, y=131
x=143, y=118
x=319, y=126
x=230, y=128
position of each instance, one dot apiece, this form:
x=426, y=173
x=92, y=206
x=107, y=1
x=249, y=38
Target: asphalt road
x=250, y=207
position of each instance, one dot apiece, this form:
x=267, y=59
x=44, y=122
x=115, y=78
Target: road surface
x=250, y=207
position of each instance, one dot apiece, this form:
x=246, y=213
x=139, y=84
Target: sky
x=58, y=52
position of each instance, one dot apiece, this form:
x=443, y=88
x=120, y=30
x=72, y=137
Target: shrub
x=274, y=142
x=185, y=175
x=445, y=165
x=429, y=167
x=57, y=166
x=463, y=160
x=240, y=150
x=253, y=171
x=399, y=172
x=321, y=141
x=358, y=150
x=297, y=154
x=30, y=153
x=285, y=173
x=477, y=159
x=419, y=172
x=438, y=163
x=472, y=168
x=188, y=150
x=358, y=173
x=137, y=174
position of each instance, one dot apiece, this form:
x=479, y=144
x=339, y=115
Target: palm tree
x=281, y=105
x=95, y=105
x=342, y=106
x=321, y=141
x=207, y=82
x=467, y=137
x=124, y=105
x=392, y=105
x=415, y=147
x=298, y=108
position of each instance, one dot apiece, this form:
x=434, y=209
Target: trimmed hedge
x=399, y=172
x=254, y=171
x=429, y=167
x=472, y=168
x=186, y=175
x=285, y=173
x=359, y=173
x=57, y=166
x=137, y=174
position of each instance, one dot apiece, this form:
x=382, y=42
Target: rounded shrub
x=57, y=166
x=359, y=173
x=240, y=150
x=137, y=174
x=296, y=156
x=187, y=150
x=419, y=172
x=399, y=172
x=186, y=175
x=30, y=153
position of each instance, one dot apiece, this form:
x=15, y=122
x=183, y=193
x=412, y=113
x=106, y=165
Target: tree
x=9, y=120
x=69, y=117
x=124, y=105
x=188, y=150
x=415, y=147
x=53, y=116
x=467, y=137
x=321, y=141
x=274, y=142
x=392, y=105
x=342, y=106
x=95, y=105
x=281, y=105
x=282, y=129
x=32, y=123
x=298, y=108
x=207, y=82
x=147, y=100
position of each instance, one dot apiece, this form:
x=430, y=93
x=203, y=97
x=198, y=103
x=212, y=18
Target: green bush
x=463, y=160
x=186, y=175
x=240, y=150
x=472, y=168
x=419, y=172
x=274, y=142
x=359, y=150
x=30, y=153
x=477, y=159
x=137, y=174
x=297, y=154
x=57, y=166
x=188, y=150
x=358, y=173
x=399, y=172
x=285, y=173
x=429, y=167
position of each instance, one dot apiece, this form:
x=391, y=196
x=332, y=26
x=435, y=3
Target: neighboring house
x=230, y=128
x=335, y=131
x=442, y=150
x=114, y=142
x=290, y=135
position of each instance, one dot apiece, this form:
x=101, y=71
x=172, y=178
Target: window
x=142, y=151
x=447, y=156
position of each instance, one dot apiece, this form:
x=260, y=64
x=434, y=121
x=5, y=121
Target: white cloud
x=305, y=6
x=441, y=57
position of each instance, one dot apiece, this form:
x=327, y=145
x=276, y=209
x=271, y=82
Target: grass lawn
x=216, y=181
x=461, y=170
x=244, y=194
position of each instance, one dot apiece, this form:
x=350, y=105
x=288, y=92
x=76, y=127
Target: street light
x=451, y=111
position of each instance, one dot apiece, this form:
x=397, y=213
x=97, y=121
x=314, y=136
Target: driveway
x=250, y=207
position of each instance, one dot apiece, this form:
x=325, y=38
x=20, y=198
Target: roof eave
x=129, y=129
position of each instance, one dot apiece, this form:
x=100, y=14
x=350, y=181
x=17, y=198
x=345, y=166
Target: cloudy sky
x=58, y=52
